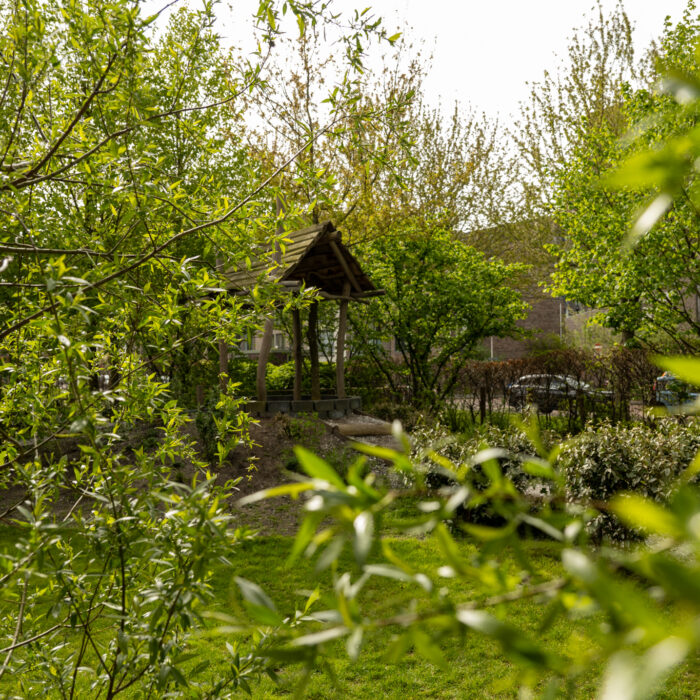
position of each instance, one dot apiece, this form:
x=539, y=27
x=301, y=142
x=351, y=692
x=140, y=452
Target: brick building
x=544, y=323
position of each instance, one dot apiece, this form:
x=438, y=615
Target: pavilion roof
x=314, y=256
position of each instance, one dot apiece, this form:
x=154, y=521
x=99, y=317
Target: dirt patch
x=265, y=465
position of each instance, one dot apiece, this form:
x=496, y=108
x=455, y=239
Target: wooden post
x=312, y=336
x=266, y=344
x=340, y=349
x=223, y=350
x=298, y=360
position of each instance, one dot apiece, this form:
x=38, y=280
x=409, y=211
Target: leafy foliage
x=125, y=189
x=594, y=581
x=442, y=297
x=639, y=459
x=648, y=290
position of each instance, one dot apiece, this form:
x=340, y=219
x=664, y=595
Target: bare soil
x=263, y=466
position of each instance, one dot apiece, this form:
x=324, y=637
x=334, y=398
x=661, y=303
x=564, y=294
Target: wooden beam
x=312, y=336
x=340, y=348
x=369, y=293
x=344, y=264
x=296, y=349
x=339, y=297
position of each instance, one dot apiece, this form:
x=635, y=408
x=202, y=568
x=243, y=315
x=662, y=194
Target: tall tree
x=442, y=298
x=584, y=92
x=650, y=290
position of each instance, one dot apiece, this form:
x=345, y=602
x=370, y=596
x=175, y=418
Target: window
x=247, y=344
x=279, y=341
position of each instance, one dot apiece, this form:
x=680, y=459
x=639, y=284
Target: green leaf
x=398, y=648
x=283, y=490
x=693, y=468
x=354, y=643
x=253, y=593
x=263, y=615
x=512, y=640
x=316, y=638
x=636, y=678
x=641, y=513
x=486, y=533
x=427, y=648
x=578, y=564
x=317, y=468
x=539, y=468
x=685, y=368
x=543, y=526
x=304, y=534
x=363, y=526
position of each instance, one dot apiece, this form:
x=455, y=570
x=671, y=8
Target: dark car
x=547, y=391
x=672, y=392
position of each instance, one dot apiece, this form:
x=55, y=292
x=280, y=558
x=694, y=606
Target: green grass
x=475, y=668
x=475, y=665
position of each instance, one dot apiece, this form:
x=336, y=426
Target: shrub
x=280, y=377
x=607, y=459
x=460, y=449
x=243, y=371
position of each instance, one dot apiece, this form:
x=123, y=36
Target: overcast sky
x=485, y=51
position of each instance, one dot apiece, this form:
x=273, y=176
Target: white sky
x=485, y=51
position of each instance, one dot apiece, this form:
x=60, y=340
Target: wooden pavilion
x=313, y=257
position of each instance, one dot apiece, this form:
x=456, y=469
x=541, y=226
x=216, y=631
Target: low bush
x=460, y=449
x=607, y=459
x=469, y=425
x=308, y=431
x=596, y=464
x=278, y=377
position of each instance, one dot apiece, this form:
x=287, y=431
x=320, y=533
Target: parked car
x=672, y=392
x=547, y=391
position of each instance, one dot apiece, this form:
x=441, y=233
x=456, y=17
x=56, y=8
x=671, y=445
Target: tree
x=409, y=231
x=630, y=588
x=648, y=291
x=122, y=180
x=442, y=298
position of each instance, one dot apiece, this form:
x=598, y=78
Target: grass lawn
x=475, y=666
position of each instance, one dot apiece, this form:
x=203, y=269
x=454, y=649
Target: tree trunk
x=266, y=344
x=264, y=355
x=312, y=336
x=340, y=349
